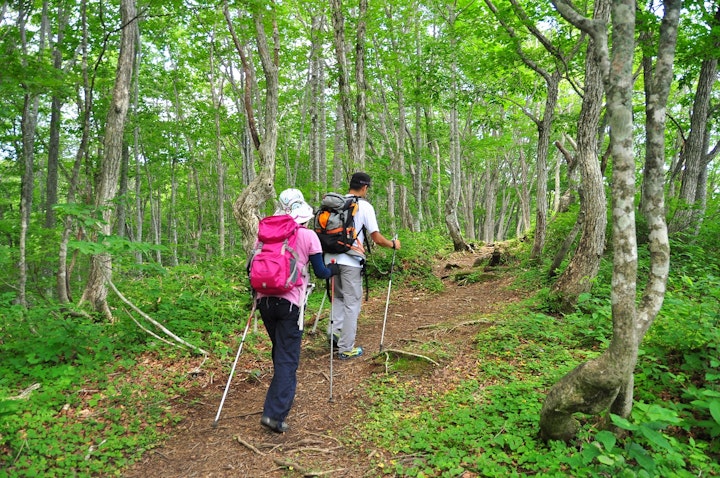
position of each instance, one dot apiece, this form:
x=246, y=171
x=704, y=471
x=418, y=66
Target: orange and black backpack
x=335, y=224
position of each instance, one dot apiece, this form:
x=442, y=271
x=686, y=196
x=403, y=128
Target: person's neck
x=355, y=192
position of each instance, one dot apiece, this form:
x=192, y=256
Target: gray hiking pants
x=347, y=300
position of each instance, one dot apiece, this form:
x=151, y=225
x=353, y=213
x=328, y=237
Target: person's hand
x=334, y=269
x=396, y=244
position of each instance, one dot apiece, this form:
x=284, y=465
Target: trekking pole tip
x=214, y=425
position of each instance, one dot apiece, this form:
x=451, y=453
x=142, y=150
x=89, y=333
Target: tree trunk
x=578, y=276
x=101, y=265
x=453, y=198
x=262, y=188
x=491, y=189
x=606, y=382
x=28, y=127
x=62, y=279
x=657, y=89
x=355, y=129
x=217, y=98
x=688, y=216
x=121, y=208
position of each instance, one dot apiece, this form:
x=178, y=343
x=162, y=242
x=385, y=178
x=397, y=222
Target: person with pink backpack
x=279, y=275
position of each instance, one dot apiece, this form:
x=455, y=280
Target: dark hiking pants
x=281, y=322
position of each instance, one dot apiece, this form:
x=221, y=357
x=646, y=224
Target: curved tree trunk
x=607, y=381
x=101, y=266
x=578, y=276
x=262, y=187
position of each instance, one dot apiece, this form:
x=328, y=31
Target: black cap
x=359, y=180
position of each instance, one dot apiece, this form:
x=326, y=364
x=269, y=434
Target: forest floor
x=323, y=438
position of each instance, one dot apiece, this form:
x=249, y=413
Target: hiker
x=347, y=293
x=281, y=314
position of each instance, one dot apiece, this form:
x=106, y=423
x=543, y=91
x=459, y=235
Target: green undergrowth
x=486, y=424
x=95, y=400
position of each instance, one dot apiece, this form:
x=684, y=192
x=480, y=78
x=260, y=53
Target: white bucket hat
x=292, y=202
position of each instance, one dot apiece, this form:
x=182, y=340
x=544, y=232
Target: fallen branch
x=148, y=331
x=151, y=320
x=471, y=322
x=249, y=446
x=294, y=466
x=409, y=354
x=326, y=436
x=316, y=449
x=25, y=394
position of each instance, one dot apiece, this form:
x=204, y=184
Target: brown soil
x=323, y=440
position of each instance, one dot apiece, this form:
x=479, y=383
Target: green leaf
x=605, y=460
x=715, y=410
x=607, y=439
x=656, y=438
x=640, y=455
x=622, y=422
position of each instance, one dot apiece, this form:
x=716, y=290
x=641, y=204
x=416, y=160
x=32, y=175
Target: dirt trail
x=316, y=444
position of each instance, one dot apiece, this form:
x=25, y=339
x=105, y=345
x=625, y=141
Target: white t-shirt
x=365, y=224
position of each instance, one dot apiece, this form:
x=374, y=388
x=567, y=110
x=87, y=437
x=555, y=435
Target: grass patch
x=487, y=423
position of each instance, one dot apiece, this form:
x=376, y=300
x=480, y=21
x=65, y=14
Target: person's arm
x=319, y=267
x=381, y=240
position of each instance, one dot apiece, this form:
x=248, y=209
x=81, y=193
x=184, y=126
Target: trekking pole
x=387, y=302
x=330, y=335
x=317, y=316
x=232, y=371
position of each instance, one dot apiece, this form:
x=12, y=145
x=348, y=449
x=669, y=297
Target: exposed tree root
x=404, y=352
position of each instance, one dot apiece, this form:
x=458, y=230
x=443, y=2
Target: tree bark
x=62, y=278
x=606, y=382
x=101, y=266
x=578, y=276
x=688, y=215
x=246, y=208
x=355, y=128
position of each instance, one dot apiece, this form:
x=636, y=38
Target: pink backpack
x=274, y=265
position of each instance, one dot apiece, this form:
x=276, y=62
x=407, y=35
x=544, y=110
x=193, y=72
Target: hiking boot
x=355, y=352
x=335, y=339
x=274, y=425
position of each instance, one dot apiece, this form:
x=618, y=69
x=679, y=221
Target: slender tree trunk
x=544, y=129
x=578, y=276
x=416, y=168
x=523, y=188
x=316, y=94
x=121, y=208
x=55, y=123
x=62, y=279
x=355, y=129
x=453, y=199
x=139, y=209
x=217, y=98
x=101, y=266
x=688, y=215
x=606, y=382
x=28, y=127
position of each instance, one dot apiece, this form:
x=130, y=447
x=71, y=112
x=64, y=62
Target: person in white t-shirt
x=281, y=314
x=347, y=290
